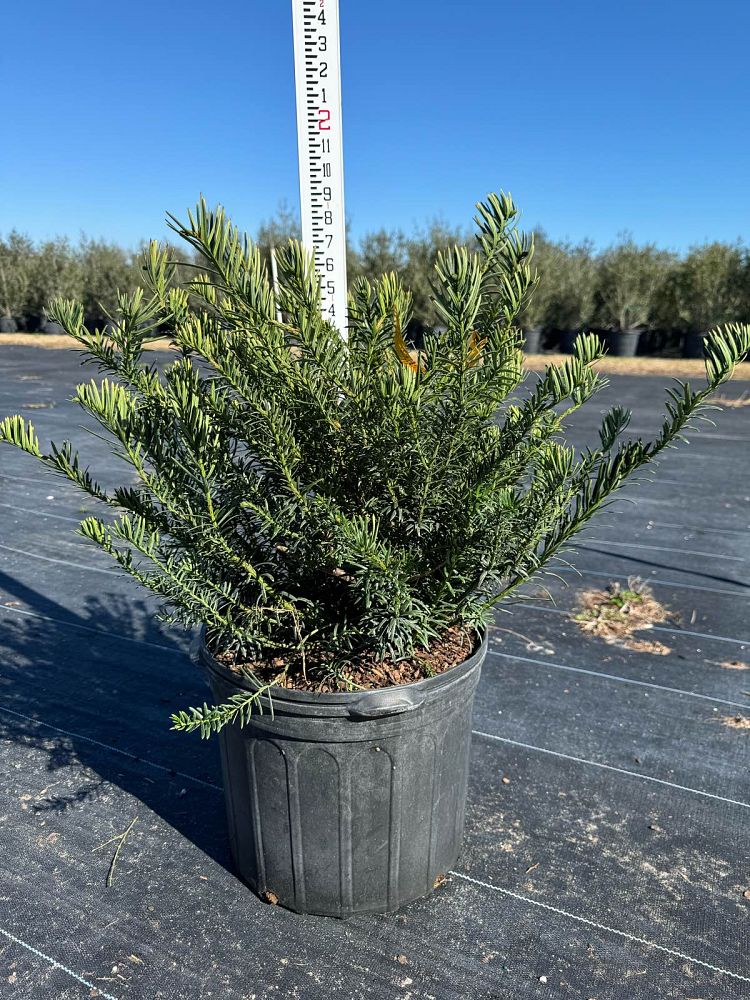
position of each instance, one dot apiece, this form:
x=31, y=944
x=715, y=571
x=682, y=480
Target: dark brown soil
x=364, y=670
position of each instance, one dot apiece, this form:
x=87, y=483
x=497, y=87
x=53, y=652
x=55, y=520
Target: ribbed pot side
x=353, y=802
x=624, y=343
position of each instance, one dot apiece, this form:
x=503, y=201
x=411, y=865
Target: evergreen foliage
x=629, y=283
x=578, y=286
x=15, y=273
x=565, y=296
x=106, y=271
x=413, y=259
x=711, y=286
x=303, y=496
x=55, y=270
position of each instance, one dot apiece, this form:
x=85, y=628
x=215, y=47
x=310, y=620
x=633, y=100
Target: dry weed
x=616, y=613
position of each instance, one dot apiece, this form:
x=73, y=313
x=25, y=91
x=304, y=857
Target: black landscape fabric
x=606, y=852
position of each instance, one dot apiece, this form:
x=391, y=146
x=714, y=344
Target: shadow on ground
x=76, y=687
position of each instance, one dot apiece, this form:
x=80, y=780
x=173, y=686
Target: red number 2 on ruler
x=324, y=120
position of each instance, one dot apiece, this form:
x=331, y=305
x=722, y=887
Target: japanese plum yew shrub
x=309, y=498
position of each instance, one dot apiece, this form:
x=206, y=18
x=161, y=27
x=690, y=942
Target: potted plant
x=340, y=520
x=532, y=339
x=629, y=280
x=50, y=327
x=566, y=275
x=413, y=258
x=104, y=268
x=55, y=272
x=16, y=255
x=709, y=289
x=535, y=311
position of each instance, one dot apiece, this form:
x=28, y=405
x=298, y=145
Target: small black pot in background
x=532, y=340
x=692, y=345
x=49, y=326
x=624, y=343
x=349, y=802
x=8, y=324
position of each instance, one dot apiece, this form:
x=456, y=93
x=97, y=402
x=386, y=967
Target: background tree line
x=666, y=295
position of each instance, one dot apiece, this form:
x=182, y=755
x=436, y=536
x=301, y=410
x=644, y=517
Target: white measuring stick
x=317, y=71
x=275, y=283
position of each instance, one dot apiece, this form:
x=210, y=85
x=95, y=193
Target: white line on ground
x=696, y=457
x=700, y=529
x=703, y=435
x=72, y=541
x=659, y=548
x=653, y=628
x=96, y=631
x=42, y=513
x=616, y=677
x=601, y=927
x=670, y=482
x=576, y=571
x=96, y=990
x=62, y=562
x=638, y=500
x=610, y=767
x=700, y=635
x=38, y=480
x=106, y=746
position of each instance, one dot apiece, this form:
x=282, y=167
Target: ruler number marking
x=317, y=71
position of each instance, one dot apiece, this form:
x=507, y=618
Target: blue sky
x=598, y=116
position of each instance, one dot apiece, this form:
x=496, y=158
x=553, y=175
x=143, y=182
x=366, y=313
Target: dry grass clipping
x=736, y=722
x=666, y=367
x=732, y=402
x=616, y=613
x=734, y=665
x=61, y=341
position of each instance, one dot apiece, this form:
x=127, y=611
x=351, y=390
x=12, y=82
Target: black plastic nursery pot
x=532, y=340
x=50, y=327
x=348, y=803
x=624, y=343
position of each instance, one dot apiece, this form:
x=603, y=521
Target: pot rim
x=343, y=699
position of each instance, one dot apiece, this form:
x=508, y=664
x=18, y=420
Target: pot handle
x=395, y=703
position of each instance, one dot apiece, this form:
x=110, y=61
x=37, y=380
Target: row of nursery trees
x=623, y=287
